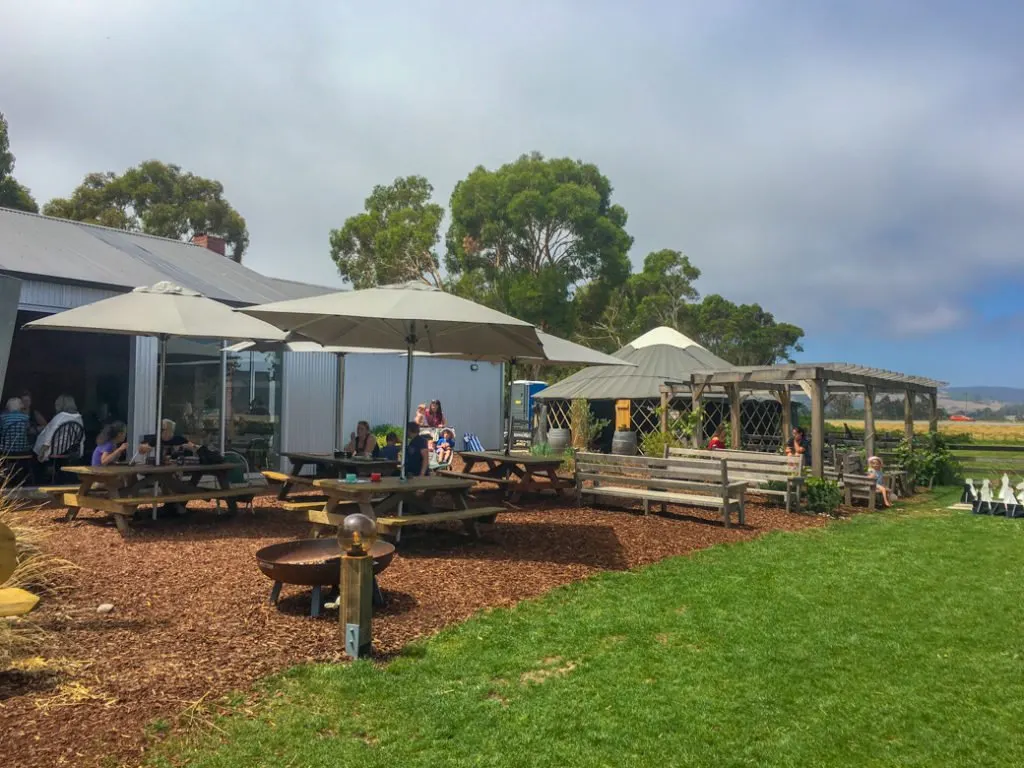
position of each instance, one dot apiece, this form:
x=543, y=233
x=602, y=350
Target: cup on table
x=350, y=478
x=375, y=477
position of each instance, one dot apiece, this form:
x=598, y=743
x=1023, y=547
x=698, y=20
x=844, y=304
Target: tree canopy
x=12, y=193
x=158, y=199
x=524, y=236
x=743, y=334
x=393, y=240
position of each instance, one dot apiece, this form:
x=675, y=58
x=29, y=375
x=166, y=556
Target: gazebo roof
x=660, y=355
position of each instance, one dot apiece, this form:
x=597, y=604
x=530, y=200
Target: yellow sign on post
x=623, y=417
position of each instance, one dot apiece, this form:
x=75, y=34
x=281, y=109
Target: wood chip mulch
x=191, y=619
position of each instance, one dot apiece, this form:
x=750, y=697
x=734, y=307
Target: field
x=980, y=431
x=885, y=640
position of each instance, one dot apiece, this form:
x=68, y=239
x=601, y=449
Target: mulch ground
x=191, y=620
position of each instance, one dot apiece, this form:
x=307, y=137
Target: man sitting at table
x=170, y=443
x=391, y=448
x=417, y=453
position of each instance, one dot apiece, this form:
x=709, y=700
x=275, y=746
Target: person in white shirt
x=66, y=411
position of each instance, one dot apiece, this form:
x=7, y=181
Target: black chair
x=17, y=468
x=65, y=446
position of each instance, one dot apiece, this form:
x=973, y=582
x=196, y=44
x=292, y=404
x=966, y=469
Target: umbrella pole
x=411, y=341
x=508, y=407
x=161, y=381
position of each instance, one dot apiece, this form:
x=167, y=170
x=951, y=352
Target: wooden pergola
x=819, y=381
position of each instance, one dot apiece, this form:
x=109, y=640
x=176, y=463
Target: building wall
x=142, y=379
x=39, y=296
x=309, y=389
x=375, y=391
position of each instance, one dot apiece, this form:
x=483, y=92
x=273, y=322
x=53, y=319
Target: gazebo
x=634, y=394
x=819, y=381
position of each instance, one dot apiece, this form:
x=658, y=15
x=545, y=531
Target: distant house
x=270, y=402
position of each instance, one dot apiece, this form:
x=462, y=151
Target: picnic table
x=380, y=501
x=326, y=465
x=516, y=473
x=120, y=489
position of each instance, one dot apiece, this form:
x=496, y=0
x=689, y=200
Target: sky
x=856, y=168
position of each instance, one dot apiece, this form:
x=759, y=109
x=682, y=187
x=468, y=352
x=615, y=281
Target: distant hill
x=1005, y=395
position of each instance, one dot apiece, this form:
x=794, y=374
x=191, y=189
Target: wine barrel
x=624, y=443
x=558, y=439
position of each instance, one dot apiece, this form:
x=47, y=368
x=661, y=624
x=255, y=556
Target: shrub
x=928, y=460
x=823, y=495
x=381, y=433
x=584, y=427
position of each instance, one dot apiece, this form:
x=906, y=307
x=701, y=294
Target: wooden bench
x=499, y=481
x=123, y=508
x=468, y=517
x=302, y=506
x=666, y=481
x=758, y=469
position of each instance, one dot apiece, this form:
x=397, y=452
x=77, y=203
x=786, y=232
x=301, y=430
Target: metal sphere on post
x=358, y=533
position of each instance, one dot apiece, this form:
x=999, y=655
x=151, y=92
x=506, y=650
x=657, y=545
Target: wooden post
x=696, y=395
x=664, y=410
x=786, y=402
x=817, y=392
x=869, y=421
x=908, y=415
x=734, y=417
x=933, y=412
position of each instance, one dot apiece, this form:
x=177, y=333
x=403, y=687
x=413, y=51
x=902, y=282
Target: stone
x=105, y=608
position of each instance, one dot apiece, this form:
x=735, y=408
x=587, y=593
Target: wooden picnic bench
x=664, y=481
x=516, y=473
x=324, y=465
x=120, y=489
x=414, y=496
x=760, y=470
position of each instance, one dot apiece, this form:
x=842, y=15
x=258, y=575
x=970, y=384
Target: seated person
x=417, y=453
x=799, y=445
x=444, y=448
x=67, y=411
x=14, y=425
x=717, y=441
x=36, y=422
x=363, y=442
x=170, y=443
x=875, y=473
x=391, y=448
x=111, y=445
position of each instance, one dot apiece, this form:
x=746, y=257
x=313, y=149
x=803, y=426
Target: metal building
x=270, y=402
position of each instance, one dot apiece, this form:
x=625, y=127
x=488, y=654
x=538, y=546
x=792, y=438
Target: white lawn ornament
x=1020, y=496
x=971, y=489
x=1006, y=492
x=986, y=494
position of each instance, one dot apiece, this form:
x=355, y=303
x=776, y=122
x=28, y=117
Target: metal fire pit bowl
x=315, y=563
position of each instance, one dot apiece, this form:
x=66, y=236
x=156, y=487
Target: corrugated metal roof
x=655, y=363
x=58, y=250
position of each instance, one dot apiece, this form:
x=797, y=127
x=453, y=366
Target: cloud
x=853, y=166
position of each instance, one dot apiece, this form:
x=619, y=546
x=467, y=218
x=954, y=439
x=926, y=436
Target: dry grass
x=984, y=431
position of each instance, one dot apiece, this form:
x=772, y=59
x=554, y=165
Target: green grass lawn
x=892, y=639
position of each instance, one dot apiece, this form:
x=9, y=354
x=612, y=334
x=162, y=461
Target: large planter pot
x=624, y=443
x=559, y=439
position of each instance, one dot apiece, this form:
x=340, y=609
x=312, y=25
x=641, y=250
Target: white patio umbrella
x=162, y=310
x=557, y=351
x=413, y=317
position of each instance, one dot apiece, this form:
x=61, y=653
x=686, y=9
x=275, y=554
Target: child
x=443, y=448
x=875, y=472
x=390, y=449
x=421, y=414
x=717, y=441
x=110, y=445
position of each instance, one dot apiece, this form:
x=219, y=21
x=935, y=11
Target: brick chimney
x=210, y=242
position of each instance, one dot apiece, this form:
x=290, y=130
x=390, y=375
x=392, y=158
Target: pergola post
x=696, y=394
x=908, y=415
x=664, y=410
x=734, y=417
x=869, y=421
x=817, y=393
x=786, y=401
x=933, y=412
